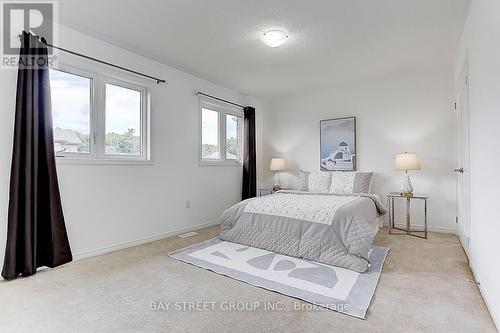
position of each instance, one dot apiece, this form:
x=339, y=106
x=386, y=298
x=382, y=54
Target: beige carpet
x=423, y=288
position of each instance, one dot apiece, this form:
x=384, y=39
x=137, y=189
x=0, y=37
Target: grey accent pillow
x=362, y=182
x=303, y=180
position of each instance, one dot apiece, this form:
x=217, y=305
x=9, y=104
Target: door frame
x=463, y=161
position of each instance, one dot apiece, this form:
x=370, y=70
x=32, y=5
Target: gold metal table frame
x=408, y=230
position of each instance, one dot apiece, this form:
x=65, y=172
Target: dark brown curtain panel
x=36, y=234
x=249, y=163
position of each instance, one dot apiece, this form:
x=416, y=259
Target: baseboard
x=140, y=241
x=495, y=319
x=442, y=230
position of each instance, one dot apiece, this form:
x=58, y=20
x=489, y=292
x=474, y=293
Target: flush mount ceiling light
x=274, y=38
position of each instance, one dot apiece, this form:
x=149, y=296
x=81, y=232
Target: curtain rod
x=43, y=40
x=219, y=99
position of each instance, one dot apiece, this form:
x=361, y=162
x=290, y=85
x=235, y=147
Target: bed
x=327, y=227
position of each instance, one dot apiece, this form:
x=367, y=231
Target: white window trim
x=144, y=118
x=223, y=109
x=94, y=161
x=92, y=105
x=98, y=119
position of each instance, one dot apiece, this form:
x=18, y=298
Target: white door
x=462, y=161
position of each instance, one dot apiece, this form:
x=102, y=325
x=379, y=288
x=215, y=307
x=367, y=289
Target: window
x=71, y=99
x=210, y=134
x=123, y=121
x=233, y=140
x=221, y=133
x=98, y=117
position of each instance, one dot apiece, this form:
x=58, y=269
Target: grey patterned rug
x=331, y=287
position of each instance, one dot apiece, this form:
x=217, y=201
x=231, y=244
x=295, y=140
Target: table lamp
x=277, y=165
x=405, y=162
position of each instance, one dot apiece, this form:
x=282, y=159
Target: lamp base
x=407, y=189
x=276, y=186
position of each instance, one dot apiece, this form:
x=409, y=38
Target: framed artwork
x=338, y=144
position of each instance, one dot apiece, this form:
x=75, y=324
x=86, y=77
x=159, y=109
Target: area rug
x=331, y=287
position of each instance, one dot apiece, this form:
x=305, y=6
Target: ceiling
x=331, y=41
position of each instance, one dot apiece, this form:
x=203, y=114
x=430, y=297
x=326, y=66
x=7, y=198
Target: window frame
x=219, y=146
x=239, y=133
x=92, y=116
x=98, y=155
x=143, y=118
x=223, y=109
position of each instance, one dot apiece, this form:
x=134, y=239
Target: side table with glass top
x=267, y=191
x=264, y=191
x=393, y=230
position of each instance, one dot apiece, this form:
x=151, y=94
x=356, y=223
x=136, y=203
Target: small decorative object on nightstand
x=277, y=165
x=408, y=231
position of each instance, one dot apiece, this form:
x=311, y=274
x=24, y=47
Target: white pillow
x=342, y=182
x=319, y=181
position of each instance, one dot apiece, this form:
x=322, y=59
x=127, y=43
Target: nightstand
x=408, y=231
x=264, y=191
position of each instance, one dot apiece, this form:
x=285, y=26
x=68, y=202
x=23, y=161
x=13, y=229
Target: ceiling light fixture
x=274, y=38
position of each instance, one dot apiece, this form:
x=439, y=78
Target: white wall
x=106, y=205
x=481, y=39
x=402, y=112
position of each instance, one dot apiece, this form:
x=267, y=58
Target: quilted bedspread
x=334, y=229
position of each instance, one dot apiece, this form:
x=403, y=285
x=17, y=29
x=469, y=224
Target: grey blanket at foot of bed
x=343, y=238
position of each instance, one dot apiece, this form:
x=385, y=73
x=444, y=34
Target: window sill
x=93, y=161
x=221, y=163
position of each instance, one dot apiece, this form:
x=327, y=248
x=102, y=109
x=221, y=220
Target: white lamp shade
x=406, y=161
x=278, y=164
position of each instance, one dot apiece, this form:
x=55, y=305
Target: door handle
x=461, y=170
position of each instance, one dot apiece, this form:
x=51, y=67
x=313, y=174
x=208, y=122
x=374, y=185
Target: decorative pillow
x=303, y=180
x=342, y=182
x=319, y=181
x=362, y=182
